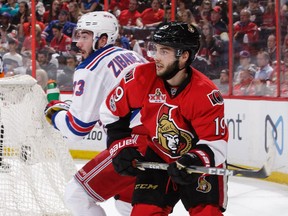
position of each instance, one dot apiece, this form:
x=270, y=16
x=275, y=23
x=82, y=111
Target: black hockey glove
x=177, y=170
x=123, y=161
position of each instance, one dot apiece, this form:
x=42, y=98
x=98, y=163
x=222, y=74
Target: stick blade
x=266, y=169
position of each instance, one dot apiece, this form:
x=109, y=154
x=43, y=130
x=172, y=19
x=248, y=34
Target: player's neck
x=178, y=79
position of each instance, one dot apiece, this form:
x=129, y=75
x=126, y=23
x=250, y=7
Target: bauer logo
x=274, y=131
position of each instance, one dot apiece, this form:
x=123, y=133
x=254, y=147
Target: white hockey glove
x=53, y=107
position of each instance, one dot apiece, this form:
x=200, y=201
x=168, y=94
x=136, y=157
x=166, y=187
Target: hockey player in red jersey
x=102, y=68
x=183, y=112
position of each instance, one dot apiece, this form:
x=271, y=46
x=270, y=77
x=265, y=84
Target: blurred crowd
x=254, y=38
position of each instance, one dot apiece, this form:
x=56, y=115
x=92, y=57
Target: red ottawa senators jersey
x=177, y=120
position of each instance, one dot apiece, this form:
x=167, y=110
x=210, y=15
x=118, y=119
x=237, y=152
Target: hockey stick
x=263, y=172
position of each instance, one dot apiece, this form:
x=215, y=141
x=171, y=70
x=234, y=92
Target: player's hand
x=123, y=162
x=53, y=107
x=177, y=170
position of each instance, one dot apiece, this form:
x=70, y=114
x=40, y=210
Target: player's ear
x=185, y=56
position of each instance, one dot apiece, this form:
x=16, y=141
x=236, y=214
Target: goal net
x=35, y=163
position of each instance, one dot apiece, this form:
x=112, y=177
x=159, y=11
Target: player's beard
x=171, y=71
x=85, y=54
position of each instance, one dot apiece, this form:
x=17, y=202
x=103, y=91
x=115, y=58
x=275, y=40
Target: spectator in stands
x=71, y=62
x=25, y=28
x=42, y=78
x=5, y=22
x=117, y=6
x=223, y=4
x=205, y=18
x=215, y=19
x=74, y=12
x=60, y=42
x=284, y=85
x=285, y=43
x=256, y=11
x=22, y=15
x=283, y=19
x=272, y=83
x=43, y=58
x=90, y=5
x=26, y=64
x=181, y=9
x=68, y=26
x=263, y=75
x=167, y=14
x=202, y=13
x=187, y=17
x=211, y=48
x=246, y=33
x=135, y=46
x=3, y=41
x=129, y=16
x=245, y=86
x=65, y=73
x=268, y=26
x=245, y=63
x=40, y=9
x=40, y=42
x=64, y=5
x=52, y=13
x=271, y=47
x=151, y=17
x=223, y=82
x=285, y=58
x=11, y=7
x=12, y=59
x=265, y=70
x=204, y=66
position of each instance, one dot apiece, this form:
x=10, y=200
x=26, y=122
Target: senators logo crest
x=203, y=185
x=171, y=139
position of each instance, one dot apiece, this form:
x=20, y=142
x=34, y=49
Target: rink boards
x=251, y=125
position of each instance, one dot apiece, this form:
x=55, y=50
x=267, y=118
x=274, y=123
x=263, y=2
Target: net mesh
x=35, y=163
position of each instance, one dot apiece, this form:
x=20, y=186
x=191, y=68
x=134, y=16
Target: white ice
x=246, y=197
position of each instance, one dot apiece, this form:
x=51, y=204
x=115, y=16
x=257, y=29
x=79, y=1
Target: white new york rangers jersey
x=93, y=80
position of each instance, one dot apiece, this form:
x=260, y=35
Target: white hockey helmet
x=99, y=22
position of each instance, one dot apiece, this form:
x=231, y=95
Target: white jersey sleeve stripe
x=95, y=61
x=78, y=127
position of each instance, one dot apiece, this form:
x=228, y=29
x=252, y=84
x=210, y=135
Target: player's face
x=165, y=60
x=85, y=43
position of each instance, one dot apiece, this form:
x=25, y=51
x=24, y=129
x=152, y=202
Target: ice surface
x=246, y=197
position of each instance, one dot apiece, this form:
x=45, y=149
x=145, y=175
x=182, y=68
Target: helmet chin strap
x=173, y=72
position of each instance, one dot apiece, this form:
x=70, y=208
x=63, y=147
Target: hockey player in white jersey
x=102, y=68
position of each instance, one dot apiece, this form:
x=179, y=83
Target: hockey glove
x=177, y=170
x=124, y=162
x=124, y=153
x=53, y=107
